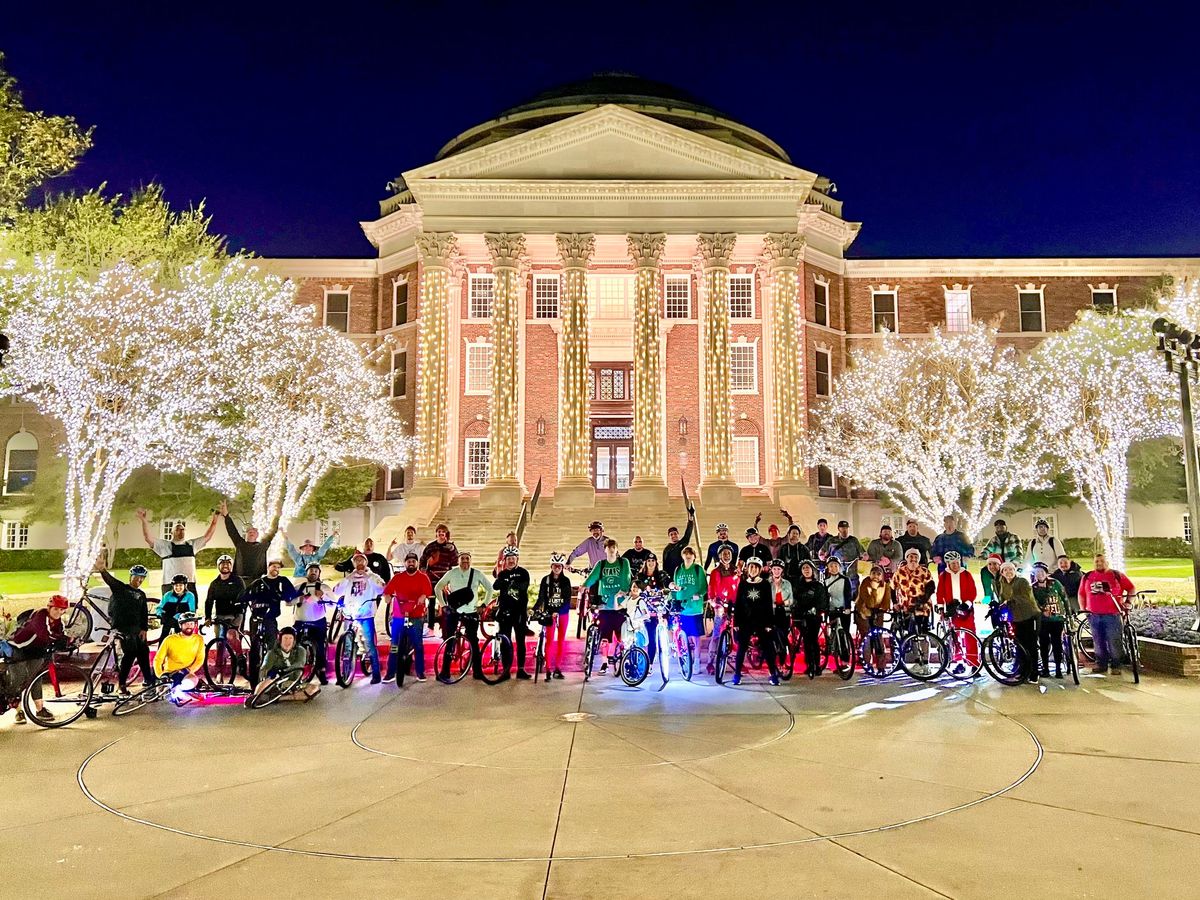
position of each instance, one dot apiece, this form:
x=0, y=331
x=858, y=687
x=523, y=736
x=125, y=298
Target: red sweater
x=408, y=593
x=1107, y=599
x=722, y=587
x=966, y=587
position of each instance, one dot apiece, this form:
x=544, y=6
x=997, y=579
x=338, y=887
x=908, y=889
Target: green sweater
x=693, y=587
x=613, y=578
x=1018, y=594
x=1051, y=599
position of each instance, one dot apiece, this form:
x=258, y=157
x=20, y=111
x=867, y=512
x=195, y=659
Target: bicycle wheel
x=785, y=660
x=151, y=694
x=495, y=651
x=346, y=659
x=403, y=656
x=666, y=646
x=923, y=655
x=309, y=668
x=877, y=650
x=965, y=651
x=724, y=644
x=754, y=656
x=1069, y=657
x=1132, y=654
x=1084, y=641
x=66, y=691
x=453, y=659
x=590, y=644
x=843, y=657
x=822, y=648
x=634, y=665
x=77, y=626
x=220, y=662
x=539, y=657
x=154, y=632
x=282, y=686
x=1003, y=659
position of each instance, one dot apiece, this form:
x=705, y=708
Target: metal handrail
x=528, y=508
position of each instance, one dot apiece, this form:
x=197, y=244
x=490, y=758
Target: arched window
x=20, y=463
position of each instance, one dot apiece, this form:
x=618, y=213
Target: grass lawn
x=46, y=583
x=1158, y=568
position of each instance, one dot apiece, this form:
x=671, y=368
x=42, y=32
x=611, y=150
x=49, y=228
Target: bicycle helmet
x=187, y=617
x=777, y=562
x=311, y=566
x=510, y=552
x=596, y=524
x=721, y=526
x=754, y=561
x=224, y=558
x=179, y=579
x=58, y=601
x=138, y=571
x=558, y=559
x=951, y=556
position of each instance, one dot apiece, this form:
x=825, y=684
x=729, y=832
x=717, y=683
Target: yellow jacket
x=179, y=651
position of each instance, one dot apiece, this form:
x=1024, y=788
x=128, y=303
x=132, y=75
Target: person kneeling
x=285, y=656
x=180, y=656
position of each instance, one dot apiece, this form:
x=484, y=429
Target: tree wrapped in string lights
x=1104, y=389
x=940, y=425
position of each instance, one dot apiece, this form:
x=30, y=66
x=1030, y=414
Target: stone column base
x=574, y=492
x=797, y=498
x=425, y=498
x=647, y=492
x=502, y=492
x=720, y=493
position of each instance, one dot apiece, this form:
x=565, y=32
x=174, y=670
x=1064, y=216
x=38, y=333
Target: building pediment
x=607, y=143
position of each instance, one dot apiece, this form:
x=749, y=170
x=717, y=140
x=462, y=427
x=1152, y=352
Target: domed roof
x=652, y=98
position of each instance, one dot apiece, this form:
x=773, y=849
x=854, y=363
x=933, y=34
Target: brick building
x=614, y=289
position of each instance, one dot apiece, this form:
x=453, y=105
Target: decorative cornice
x=816, y=219
x=715, y=249
x=783, y=251
x=1023, y=268
x=646, y=250
x=576, y=189
x=408, y=216
x=506, y=250
x=575, y=249
x=437, y=248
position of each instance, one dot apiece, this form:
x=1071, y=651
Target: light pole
x=1181, y=350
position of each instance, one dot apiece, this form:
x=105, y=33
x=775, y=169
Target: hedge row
x=1135, y=548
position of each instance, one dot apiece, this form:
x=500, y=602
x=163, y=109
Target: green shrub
x=32, y=560
x=125, y=557
x=1135, y=548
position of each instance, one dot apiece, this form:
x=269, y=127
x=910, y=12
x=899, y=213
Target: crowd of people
x=778, y=582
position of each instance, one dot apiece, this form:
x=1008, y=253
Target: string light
x=437, y=250
x=783, y=252
x=646, y=252
x=717, y=410
x=575, y=438
x=506, y=251
x=941, y=426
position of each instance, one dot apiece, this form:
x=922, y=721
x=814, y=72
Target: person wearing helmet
x=313, y=596
x=722, y=592
x=553, y=610
x=307, y=553
x=224, y=605
x=180, y=657
x=510, y=541
x=287, y=654
x=956, y=596
x=358, y=594
x=714, y=549
x=176, y=601
x=27, y=647
x=613, y=579
x=512, y=614
x=409, y=591
x=129, y=616
x=950, y=538
x=1044, y=547
x=178, y=554
x=753, y=616
x=266, y=596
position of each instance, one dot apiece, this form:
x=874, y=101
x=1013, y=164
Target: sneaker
x=1099, y=670
x=123, y=692
x=603, y=668
x=558, y=673
x=20, y=716
x=1033, y=679
x=1058, y=673
x=736, y=679
x=775, y=680
x=1115, y=670
x=420, y=678
x=375, y=679
x=522, y=675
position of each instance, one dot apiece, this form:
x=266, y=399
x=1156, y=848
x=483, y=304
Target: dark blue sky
x=965, y=130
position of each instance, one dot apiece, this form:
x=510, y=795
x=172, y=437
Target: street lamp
x=1181, y=350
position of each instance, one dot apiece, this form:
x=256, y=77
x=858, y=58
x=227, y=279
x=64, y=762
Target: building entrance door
x=612, y=458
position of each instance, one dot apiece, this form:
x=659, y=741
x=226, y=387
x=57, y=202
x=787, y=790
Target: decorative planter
x=1169, y=657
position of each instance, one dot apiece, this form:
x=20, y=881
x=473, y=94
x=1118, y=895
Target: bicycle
x=405, y=651
x=591, y=643
x=287, y=682
x=1002, y=656
x=454, y=653
x=495, y=650
x=837, y=647
x=963, y=647
x=352, y=652
x=69, y=690
x=877, y=649
x=726, y=649
x=633, y=662
x=79, y=621
x=921, y=653
x=226, y=656
x=671, y=639
x=541, y=664
x=160, y=690
x=1081, y=625
x=1129, y=639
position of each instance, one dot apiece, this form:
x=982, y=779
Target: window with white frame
x=1104, y=298
x=479, y=368
x=1127, y=527
x=1051, y=520
x=1031, y=306
x=476, y=458
x=821, y=302
x=677, y=296
x=1187, y=528
x=743, y=368
x=16, y=535
x=20, y=463
x=745, y=461
x=337, y=310
x=481, y=295
x=741, y=296
x=895, y=521
x=825, y=479
x=326, y=527
x=395, y=479
x=545, y=296
x=823, y=370
x=958, y=309
x=168, y=528
x=610, y=296
x=883, y=311
x=400, y=373
x=399, y=302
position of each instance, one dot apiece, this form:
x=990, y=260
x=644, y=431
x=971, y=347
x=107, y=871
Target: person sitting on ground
x=512, y=613
x=307, y=553
x=753, y=617
x=285, y=656
x=250, y=556
x=714, y=549
x=1016, y=593
x=462, y=592
x=175, y=602
x=553, y=610
x=27, y=648
x=357, y=594
x=612, y=577
x=409, y=591
x=951, y=539
x=1051, y=600
x=180, y=657
x=313, y=597
x=810, y=600
x=178, y=555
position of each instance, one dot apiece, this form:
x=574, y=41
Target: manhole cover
x=576, y=717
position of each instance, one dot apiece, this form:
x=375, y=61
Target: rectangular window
x=400, y=373
x=337, y=311
x=1187, y=528
x=883, y=309
x=743, y=368
x=895, y=520
x=610, y=296
x=481, y=293
x=477, y=457
x=741, y=296
x=1104, y=300
x=395, y=479
x=168, y=527
x=545, y=296
x=21, y=471
x=612, y=384
x=958, y=310
x=1051, y=522
x=825, y=480
x=821, y=303
x=326, y=527
x=479, y=369
x=1032, y=315
x=823, y=367
x=745, y=461
x=16, y=535
x=677, y=296
x=399, y=303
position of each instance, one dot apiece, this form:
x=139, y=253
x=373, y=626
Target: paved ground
x=844, y=790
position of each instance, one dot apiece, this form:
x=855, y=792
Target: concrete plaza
x=894, y=789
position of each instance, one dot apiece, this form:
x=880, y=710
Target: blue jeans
x=1106, y=635
x=414, y=627
x=368, y=633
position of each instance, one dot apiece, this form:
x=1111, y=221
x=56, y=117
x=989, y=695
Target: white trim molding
x=958, y=291
x=1103, y=288
x=1030, y=288
x=894, y=290
x=1063, y=267
x=336, y=289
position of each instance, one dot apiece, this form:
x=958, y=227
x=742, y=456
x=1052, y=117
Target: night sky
x=1010, y=131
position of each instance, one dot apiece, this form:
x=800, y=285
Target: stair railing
x=528, y=508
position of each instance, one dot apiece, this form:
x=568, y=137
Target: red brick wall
x=541, y=395
x=364, y=300
x=681, y=377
